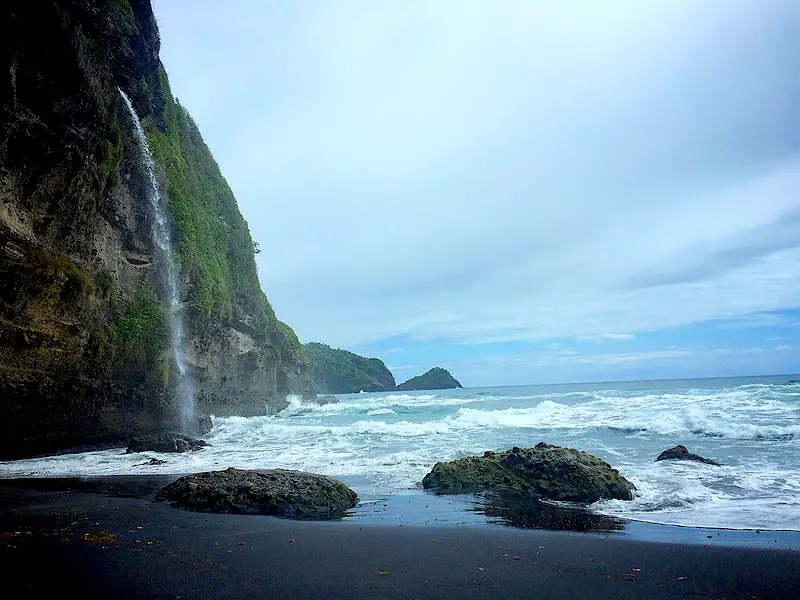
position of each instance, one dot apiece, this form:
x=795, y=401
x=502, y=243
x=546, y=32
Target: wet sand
x=109, y=540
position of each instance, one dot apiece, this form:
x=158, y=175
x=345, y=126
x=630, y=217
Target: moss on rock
x=544, y=471
x=261, y=492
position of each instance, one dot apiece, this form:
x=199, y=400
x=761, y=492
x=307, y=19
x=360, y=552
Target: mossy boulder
x=543, y=471
x=293, y=494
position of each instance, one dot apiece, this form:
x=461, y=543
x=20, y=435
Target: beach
x=106, y=538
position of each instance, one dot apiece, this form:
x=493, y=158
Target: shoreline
x=418, y=507
x=104, y=543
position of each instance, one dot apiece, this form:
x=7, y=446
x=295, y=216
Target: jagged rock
x=543, y=471
x=204, y=424
x=151, y=463
x=680, y=452
x=261, y=492
x=164, y=442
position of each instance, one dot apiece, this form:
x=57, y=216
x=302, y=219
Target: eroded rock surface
x=293, y=494
x=543, y=471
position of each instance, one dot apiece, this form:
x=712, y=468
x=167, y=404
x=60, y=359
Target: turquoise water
x=384, y=444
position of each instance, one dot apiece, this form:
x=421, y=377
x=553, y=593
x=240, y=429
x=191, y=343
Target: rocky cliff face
x=83, y=338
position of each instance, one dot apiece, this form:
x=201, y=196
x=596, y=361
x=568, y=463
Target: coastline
x=103, y=537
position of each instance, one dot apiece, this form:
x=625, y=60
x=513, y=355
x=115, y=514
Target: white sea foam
x=386, y=443
x=666, y=415
x=696, y=495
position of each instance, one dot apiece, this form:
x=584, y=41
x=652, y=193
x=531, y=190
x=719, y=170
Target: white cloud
x=519, y=171
x=607, y=337
x=621, y=357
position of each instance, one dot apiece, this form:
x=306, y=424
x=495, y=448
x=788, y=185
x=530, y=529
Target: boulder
x=204, y=424
x=153, y=462
x=164, y=442
x=681, y=452
x=281, y=492
x=322, y=400
x=543, y=471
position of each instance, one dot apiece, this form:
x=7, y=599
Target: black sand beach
x=108, y=540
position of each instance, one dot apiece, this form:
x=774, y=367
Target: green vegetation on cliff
x=435, y=379
x=214, y=242
x=337, y=371
x=216, y=251
x=141, y=333
x=83, y=328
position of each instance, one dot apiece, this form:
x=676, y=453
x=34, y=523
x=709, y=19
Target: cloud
x=520, y=172
x=762, y=319
x=614, y=358
x=607, y=337
x=396, y=368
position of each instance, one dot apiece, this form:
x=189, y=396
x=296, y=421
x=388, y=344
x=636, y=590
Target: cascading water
x=160, y=224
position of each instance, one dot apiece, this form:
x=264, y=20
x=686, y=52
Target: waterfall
x=161, y=237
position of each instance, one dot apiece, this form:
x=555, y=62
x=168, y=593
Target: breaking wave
x=386, y=443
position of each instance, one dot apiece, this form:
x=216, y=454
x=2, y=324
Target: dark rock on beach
x=293, y=494
x=543, y=471
x=165, y=442
x=680, y=452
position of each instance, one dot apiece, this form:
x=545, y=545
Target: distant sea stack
x=435, y=379
x=336, y=371
x=85, y=350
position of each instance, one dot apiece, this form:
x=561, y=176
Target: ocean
x=383, y=444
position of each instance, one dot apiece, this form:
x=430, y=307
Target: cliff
x=435, y=379
x=83, y=338
x=335, y=371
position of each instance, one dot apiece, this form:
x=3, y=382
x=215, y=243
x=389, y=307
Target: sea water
x=384, y=444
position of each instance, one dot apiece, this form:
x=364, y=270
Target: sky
x=520, y=192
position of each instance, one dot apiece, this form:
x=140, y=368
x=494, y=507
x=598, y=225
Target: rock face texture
x=435, y=379
x=680, y=452
x=83, y=342
x=336, y=371
x=543, y=471
x=293, y=494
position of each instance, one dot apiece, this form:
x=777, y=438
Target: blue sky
x=520, y=192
